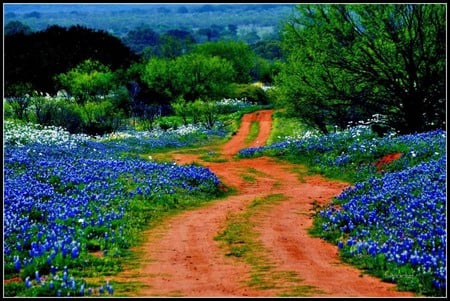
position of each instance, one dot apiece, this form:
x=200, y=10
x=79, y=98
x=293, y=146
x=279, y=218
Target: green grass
x=240, y=240
x=250, y=174
x=254, y=131
x=212, y=156
x=285, y=126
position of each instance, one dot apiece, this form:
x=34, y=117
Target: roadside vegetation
x=391, y=222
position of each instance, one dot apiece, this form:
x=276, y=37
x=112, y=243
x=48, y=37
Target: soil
x=181, y=258
x=387, y=159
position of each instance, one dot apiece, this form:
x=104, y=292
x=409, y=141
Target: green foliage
x=87, y=81
x=239, y=54
x=250, y=92
x=186, y=110
x=348, y=62
x=140, y=38
x=160, y=77
x=100, y=117
x=36, y=58
x=254, y=131
x=201, y=76
x=208, y=112
x=189, y=76
x=13, y=289
x=20, y=100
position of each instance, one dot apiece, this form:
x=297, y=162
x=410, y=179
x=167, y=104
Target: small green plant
x=241, y=241
x=254, y=131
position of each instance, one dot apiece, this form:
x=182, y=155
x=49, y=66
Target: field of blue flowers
x=66, y=196
x=391, y=222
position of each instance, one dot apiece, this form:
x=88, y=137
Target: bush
x=250, y=92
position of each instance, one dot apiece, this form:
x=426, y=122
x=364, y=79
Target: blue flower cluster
x=62, y=284
x=401, y=215
x=57, y=196
x=358, y=148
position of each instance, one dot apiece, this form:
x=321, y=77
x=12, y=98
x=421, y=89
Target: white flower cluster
x=21, y=134
x=237, y=102
x=301, y=135
x=155, y=133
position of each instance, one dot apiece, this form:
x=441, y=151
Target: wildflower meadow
x=68, y=196
x=392, y=221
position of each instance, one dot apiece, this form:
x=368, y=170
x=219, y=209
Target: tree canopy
x=190, y=76
x=348, y=62
x=35, y=58
x=87, y=80
x=239, y=54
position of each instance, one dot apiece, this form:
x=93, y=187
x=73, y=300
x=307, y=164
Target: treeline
x=253, y=22
x=337, y=65
x=100, y=82
x=35, y=58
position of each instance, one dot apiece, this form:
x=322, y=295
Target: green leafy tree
x=200, y=76
x=175, y=42
x=181, y=108
x=190, y=76
x=89, y=80
x=39, y=56
x=159, y=75
x=239, y=54
x=171, y=46
x=209, y=111
x=348, y=62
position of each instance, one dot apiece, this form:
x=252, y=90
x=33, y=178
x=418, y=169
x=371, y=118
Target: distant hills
x=119, y=19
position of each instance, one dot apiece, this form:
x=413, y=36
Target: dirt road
x=181, y=257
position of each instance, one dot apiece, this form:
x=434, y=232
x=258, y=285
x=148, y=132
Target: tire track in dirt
x=181, y=257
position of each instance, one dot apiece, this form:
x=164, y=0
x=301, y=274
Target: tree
x=21, y=101
x=190, y=76
x=348, y=62
x=239, y=54
x=140, y=38
x=87, y=81
x=159, y=75
x=102, y=101
x=17, y=27
x=210, y=33
x=37, y=57
x=200, y=76
x=175, y=43
x=268, y=49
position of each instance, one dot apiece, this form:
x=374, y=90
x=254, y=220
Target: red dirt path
x=181, y=257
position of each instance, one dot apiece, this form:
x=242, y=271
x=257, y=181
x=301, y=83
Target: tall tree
x=239, y=54
x=348, y=62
